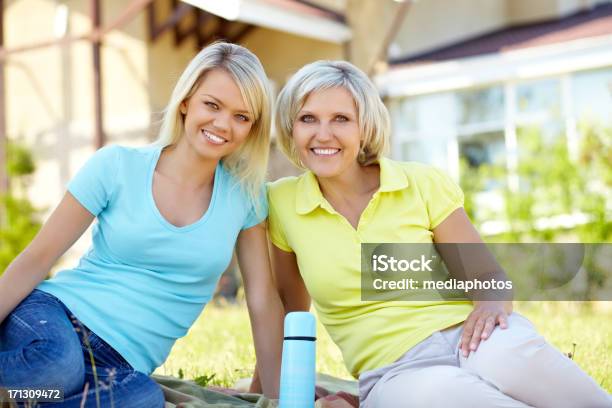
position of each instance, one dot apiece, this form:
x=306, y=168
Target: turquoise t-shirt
x=144, y=281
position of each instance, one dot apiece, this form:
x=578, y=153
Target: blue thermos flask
x=297, y=383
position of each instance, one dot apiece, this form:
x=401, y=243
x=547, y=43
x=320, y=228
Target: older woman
x=431, y=353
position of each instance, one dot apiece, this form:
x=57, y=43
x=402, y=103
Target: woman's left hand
x=482, y=321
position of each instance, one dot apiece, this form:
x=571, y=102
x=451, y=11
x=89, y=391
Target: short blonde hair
x=373, y=117
x=250, y=161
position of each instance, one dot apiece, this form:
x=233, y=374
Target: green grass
x=220, y=342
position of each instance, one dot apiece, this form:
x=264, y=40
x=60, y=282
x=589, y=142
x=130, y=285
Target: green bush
x=551, y=182
x=18, y=218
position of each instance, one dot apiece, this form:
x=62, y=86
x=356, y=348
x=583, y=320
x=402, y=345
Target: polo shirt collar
x=309, y=196
x=392, y=176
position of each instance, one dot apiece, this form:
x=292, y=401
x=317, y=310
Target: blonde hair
x=248, y=164
x=373, y=117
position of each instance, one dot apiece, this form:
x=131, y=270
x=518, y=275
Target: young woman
x=169, y=216
x=431, y=353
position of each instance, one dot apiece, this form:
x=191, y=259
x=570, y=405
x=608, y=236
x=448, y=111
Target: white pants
x=515, y=367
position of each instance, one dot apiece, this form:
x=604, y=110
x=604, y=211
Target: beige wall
x=432, y=24
x=335, y=5
x=436, y=23
x=125, y=77
x=522, y=11
x=528, y=10
x=282, y=54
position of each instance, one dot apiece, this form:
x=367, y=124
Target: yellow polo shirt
x=412, y=200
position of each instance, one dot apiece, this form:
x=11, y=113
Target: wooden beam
x=181, y=35
x=200, y=19
x=178, y=12
x=152, y=21
x=223, y=29
x=396, y=24
x=219, y=33
x=132, y=10
x=128, y=14
x=244, y=31
x=97, y=75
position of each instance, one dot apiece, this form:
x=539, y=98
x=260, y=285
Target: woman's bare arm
x=265, y=307
x=65, y=225
x=475, y=262
x=291, y=288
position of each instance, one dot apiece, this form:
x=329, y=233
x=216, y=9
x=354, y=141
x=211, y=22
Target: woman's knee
x=41, y=365
x=40, y=353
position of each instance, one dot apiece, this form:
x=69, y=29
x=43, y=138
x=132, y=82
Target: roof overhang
x=273, y=15
x=516, y=65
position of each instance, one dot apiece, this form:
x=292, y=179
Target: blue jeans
x=42, y=345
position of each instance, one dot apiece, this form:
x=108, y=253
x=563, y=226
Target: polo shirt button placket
x=359, y=234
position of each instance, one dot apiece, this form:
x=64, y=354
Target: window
x=592, y=95
x=538, y=97
x=422, y=128
x=538, y=109
x=485, y=149
x=497, y=136
x=431, y=150
x=480, y=134
x=481, y=106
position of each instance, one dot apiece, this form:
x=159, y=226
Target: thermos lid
x=300, y=324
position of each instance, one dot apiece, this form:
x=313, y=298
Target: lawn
x=218, y=348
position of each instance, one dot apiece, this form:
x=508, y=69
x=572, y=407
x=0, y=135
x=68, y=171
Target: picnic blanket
x=187, y=394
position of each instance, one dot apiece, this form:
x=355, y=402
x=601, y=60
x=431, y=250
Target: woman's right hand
x=65, y=225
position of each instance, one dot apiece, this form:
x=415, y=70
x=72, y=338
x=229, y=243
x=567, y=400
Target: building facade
x=467, y=95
